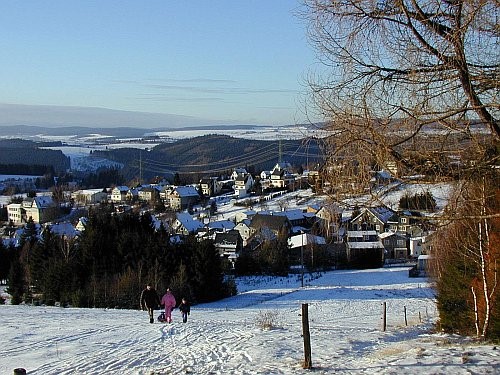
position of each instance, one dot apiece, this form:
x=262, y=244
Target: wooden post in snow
x=307, y=337
x=384, y=317
x=19, y=371
x=406, y=320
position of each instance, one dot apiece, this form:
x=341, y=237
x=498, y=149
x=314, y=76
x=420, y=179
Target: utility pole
x=280, y=151
x=302, y=259
x=140, y=167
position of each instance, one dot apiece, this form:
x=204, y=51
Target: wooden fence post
x=384, y=317
x=406, y=320
x=307, y=337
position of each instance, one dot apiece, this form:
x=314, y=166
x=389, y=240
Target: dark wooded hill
x=213, y=155
x=22, y=152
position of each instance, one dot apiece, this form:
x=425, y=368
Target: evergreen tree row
x=420, y=201
x=110, y=264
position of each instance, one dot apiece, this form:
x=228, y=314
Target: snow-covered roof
x=304, y=239
x=365, y=245
x=43, y=201
x=221, y=224
x=122, y=188
x=291, y=214
x=188, y=222
x=186, y=191
x=383, y=213
x=64, y=229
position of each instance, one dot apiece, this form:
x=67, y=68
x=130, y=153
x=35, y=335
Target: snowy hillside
x=226, y=337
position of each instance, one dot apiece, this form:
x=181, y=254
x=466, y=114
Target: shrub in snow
x=268, y=320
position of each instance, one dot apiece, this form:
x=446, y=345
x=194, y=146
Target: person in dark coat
x=149, y=301
x=185, y=310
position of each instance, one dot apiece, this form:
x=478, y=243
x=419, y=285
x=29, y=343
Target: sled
x=162, y=318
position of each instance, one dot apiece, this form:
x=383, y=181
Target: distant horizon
x=51, y=116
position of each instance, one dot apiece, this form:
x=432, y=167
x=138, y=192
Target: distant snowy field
x=345, y=311
x=78, y=148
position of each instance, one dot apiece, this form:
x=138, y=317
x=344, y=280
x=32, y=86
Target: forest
x=17, y=151
x=110, y=263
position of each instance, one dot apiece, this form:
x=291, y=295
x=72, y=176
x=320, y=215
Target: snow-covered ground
x=226, y=337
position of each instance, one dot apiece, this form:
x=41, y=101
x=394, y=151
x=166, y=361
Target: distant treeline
x=26, y=169
x=28, y=153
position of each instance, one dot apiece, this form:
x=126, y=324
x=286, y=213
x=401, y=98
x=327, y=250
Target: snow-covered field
x=226, y=337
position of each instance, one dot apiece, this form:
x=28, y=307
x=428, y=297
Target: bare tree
x=406, y=81
x=467, y=255
x=413, y=85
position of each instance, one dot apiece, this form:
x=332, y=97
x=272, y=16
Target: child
x=168, y=300
x=185, y=309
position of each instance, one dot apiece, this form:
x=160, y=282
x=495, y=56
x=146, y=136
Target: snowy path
x=345, y=310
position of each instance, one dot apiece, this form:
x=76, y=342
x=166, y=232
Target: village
x=320, y=233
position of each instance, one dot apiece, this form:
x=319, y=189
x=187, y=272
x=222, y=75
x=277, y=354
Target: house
x=148, y=194
x=221, y=225
x=281, y=179
x=64, y=230
x=423, y=264
x=237, y=172
x=41, y=209
x=89, y=196
x=406, y=221
x=184, y=224
x=297, y=218
x=119, y=194
x=328, y=219
x=278, y=177
x=183, y=197
x=15, y=213
x=372, y=218
x=229, y=245
x=243, y=227
x=132, y=195
x=210, y=186
x=242, y=185
x=421, y=245
x=416, y=246
x=244, y=215
x=271, y=226
x=396, y=245
x=364, y=249
x=82, y=223
x=304, y=239
x=265, y=175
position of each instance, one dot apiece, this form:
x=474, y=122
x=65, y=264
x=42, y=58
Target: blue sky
x=221, y=60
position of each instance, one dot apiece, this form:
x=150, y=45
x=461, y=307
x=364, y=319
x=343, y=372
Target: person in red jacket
x=168, y=300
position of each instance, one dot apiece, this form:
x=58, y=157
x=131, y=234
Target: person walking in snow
x=185, y=309
x=168, y=300
x=149, y=301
